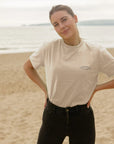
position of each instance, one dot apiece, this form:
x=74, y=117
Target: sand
x=21, y=104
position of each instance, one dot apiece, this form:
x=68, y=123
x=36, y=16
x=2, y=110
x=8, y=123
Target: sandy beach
x=21, y=104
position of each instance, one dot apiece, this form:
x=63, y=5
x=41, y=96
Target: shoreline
x=15, y=52
x=29, y=51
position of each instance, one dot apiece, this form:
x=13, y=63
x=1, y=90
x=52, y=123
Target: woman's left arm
x=107, y=85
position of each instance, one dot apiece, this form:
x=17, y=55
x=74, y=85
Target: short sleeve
x=37, y=58
x=106, y=62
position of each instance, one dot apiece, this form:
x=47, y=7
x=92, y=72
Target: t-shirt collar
x=69, y=46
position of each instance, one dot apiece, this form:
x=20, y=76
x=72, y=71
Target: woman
x=71, y=67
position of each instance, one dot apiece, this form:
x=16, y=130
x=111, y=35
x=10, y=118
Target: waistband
x=62, y=109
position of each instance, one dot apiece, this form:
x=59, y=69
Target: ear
x=76, y=19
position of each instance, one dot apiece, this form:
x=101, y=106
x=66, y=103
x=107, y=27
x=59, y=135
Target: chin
x=67, y=37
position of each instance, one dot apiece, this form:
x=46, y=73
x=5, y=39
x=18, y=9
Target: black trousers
x=75, y=122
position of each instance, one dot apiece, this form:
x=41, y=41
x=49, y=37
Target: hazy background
x=19, y=19
x=18, y=12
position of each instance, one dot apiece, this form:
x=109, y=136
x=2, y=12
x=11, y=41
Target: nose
x=61, y=25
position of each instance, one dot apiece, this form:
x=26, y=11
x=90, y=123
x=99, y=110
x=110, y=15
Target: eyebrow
x=60, y=19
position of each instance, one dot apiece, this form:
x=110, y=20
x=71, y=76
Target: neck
x=73, y=42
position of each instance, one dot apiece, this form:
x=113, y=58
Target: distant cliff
x=84, y=23
x=41, y=24
x=96, y=22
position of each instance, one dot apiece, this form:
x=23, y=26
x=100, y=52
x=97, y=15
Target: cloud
x=49, y=3
x=36, y=11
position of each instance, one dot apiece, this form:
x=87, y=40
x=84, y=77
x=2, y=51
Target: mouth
x=65, y=31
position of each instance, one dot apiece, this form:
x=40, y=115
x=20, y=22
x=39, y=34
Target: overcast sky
x=18, y=12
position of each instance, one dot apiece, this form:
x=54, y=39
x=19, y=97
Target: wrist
x=46, y=95
x=97, y=88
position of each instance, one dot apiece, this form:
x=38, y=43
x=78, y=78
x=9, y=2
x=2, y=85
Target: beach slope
x=21, y=104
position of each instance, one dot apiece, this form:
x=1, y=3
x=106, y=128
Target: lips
x=65, y=31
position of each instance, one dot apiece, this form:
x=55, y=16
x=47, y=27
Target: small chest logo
x=85, y=67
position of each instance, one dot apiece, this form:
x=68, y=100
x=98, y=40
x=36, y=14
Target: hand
x=45, y=103
x=45, y=100
x=88, y=104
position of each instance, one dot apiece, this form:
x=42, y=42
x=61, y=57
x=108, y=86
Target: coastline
x=21, y=104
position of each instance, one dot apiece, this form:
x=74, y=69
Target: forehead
x=58, y=15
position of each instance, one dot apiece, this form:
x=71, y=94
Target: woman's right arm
x=33, y=75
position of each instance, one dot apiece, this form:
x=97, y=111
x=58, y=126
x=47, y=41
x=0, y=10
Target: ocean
x=29, y=38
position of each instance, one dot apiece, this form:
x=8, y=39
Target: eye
x=55, y=25
x=64, y=19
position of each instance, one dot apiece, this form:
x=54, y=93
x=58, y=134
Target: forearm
x=33, y=75
x=107, y=85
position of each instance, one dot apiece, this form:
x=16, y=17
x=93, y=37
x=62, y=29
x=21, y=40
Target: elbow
x=27, y=66
x=113, y=83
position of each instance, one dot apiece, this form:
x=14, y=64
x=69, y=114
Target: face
x=64, y=24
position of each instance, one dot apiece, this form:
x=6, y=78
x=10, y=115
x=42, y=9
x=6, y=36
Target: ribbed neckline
x=69, y=46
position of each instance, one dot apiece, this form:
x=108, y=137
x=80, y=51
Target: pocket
x=44, y=113
x=90, y=113
x=89, y=109
x=48, y=114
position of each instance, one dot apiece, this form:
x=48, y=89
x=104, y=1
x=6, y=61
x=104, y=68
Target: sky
x=19, y=12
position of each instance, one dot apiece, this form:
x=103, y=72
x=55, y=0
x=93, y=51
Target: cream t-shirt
x=72, y=71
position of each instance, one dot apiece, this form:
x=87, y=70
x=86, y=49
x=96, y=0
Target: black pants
x=75, y=122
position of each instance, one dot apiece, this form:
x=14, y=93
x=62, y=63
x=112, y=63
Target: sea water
x=29, y=38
